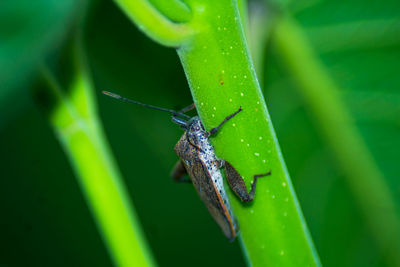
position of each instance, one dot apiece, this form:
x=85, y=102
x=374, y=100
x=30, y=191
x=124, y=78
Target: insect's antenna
x=124, y=99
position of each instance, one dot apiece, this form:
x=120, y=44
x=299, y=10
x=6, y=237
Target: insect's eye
x=196, y=128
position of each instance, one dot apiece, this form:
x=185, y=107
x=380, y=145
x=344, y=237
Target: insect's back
x=212, y=196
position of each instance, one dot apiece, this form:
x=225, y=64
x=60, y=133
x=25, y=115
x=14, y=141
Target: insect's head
x=194, y=125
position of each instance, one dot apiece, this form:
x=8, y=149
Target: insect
x=198, y=160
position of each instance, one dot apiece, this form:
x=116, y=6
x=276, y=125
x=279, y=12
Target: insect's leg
x=220, y=163
x=215, y=130
x=188, y=108
x=179, y=173
x=237, y=184
x=181, y=122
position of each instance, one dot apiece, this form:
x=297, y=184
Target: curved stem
x=78, y=128
x=175, y=10
x=335, y=122
x=155, y=24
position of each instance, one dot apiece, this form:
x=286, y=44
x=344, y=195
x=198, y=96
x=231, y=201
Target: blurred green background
x=44, y=220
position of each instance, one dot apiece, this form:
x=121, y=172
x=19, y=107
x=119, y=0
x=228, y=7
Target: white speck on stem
x=245, y=76
x=230, y=47
x=234, y=76
x=260, y=137
x=264, y=161
x=283, y=184
x=214, y=108
x=230, y=99
x=233, y=124
x=241, y=94
x=202, y=104
x=248, y=144
x=241, y=140
x=257, y=154
x=251, y=211
x=212, y=115
x=273, y=196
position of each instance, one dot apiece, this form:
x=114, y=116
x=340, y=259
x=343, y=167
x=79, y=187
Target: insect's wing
x=203, y=184
x=213, y=201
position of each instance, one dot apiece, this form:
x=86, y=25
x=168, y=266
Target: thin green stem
x=155, y=24
x=337, y=126
x=78, y=128
x=175, y=10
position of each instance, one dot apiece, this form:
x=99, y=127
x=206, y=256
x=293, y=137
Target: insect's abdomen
x=207, y=180
x=212, y=199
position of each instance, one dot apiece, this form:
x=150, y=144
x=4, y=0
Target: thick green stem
x=222, y=79
x=155, y=24
x=336, y=124
x=77, y=126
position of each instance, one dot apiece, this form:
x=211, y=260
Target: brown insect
x=198, y=160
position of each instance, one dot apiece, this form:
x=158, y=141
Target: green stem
x=155, y=24
x=175, y=10
x=77, y=126
x=336, y=124
x=221, y=77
